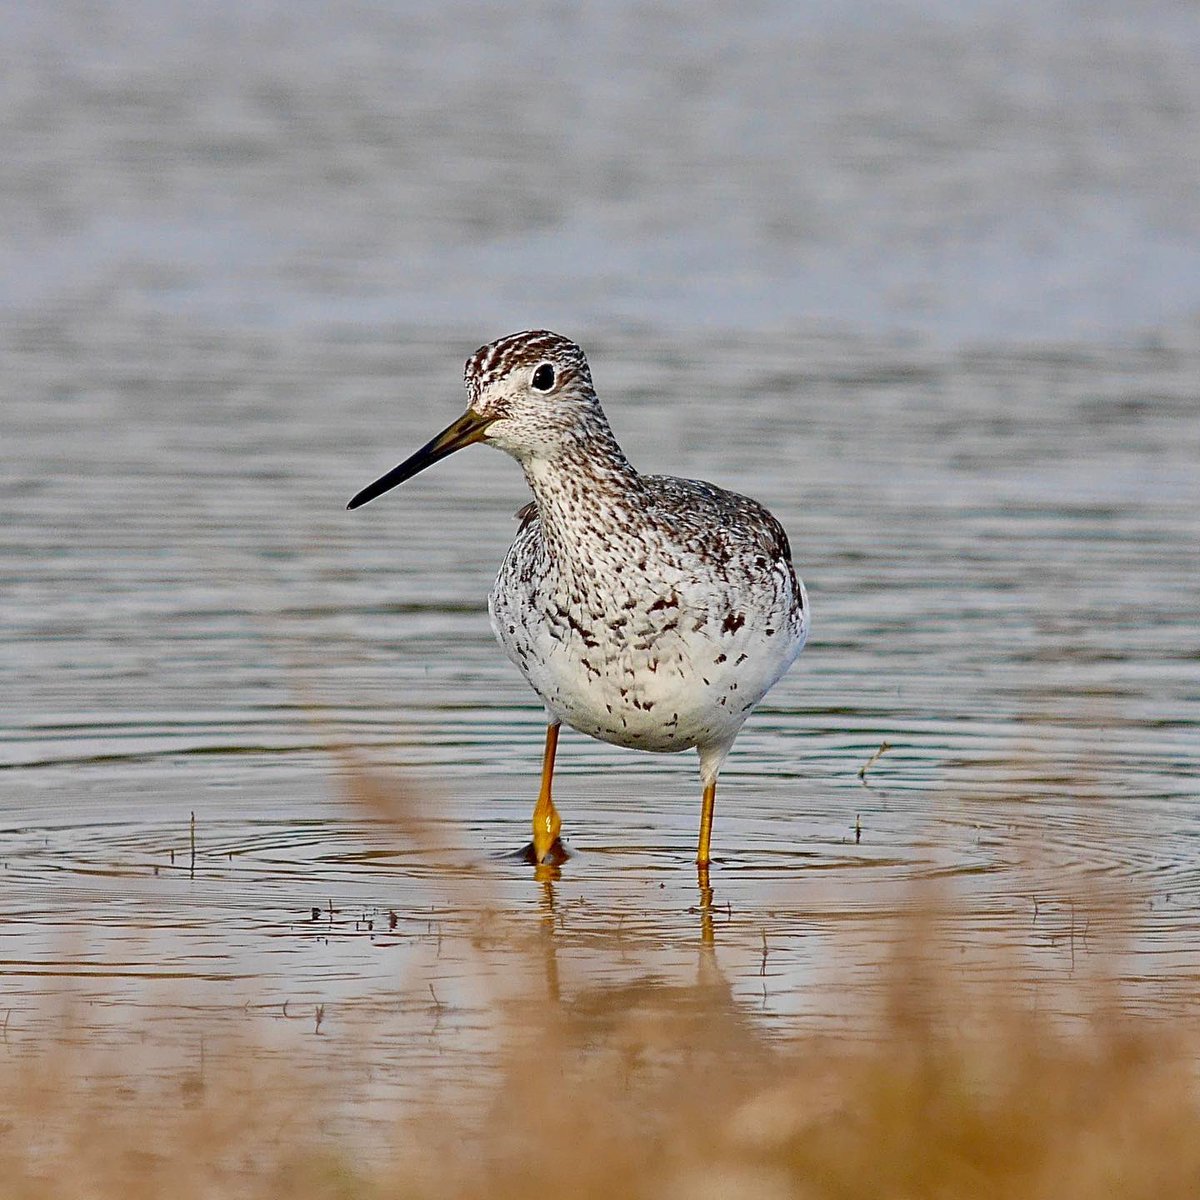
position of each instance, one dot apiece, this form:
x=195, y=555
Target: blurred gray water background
x=925, y=278
x=990, y=171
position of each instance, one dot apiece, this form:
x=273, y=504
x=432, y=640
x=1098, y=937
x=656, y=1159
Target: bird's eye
x=543, y=377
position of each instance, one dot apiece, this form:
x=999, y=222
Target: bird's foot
x=554, y=857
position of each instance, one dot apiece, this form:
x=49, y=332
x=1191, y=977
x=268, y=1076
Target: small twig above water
x=884, y=747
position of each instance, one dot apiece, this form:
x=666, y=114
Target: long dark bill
x=467, y=429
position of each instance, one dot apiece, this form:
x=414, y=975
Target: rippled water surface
x=998, y=535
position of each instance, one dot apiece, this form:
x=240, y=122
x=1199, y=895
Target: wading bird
x=644, y=610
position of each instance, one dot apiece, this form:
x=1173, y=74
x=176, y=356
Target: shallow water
x=198, y=625
x=994, y=511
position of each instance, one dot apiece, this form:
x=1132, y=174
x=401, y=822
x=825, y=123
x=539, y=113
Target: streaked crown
x=498, y=359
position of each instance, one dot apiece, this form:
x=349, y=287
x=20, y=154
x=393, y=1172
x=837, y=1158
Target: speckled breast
x=661, y=662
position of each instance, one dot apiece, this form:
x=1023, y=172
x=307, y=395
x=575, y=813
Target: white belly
x=648, y=677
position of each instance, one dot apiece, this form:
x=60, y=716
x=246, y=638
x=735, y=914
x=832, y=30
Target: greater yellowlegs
x=644, y=610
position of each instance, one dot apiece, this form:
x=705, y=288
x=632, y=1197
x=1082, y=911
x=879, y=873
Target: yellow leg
x=546, y=821
x=706, y=820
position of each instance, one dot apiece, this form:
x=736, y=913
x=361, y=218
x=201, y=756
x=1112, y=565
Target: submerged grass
x=957, y=1087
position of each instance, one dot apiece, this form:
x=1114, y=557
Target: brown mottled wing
x=702, y=512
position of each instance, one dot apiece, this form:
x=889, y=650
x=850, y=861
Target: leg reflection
x=707, y=937
x=549, y=943
x=708, y=973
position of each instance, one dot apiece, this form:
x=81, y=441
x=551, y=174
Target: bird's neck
x=588, y=497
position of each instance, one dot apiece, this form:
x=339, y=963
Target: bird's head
x=529, y=394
